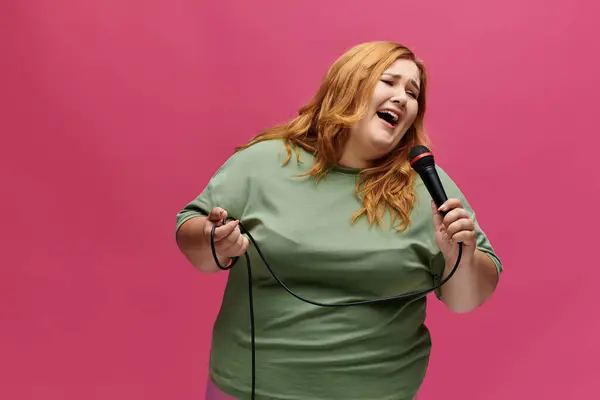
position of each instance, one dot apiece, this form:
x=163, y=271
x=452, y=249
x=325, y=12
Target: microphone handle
x=434, y=186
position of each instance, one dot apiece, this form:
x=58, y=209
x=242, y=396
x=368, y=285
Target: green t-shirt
x=304, y=229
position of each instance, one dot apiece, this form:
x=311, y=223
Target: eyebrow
x=398, y=76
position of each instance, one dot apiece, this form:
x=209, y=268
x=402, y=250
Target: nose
x=400, y=98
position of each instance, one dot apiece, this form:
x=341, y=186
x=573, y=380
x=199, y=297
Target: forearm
x=472, y=284
x=195, y=245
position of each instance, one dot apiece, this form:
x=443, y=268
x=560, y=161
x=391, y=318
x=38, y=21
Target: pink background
x=115, y=113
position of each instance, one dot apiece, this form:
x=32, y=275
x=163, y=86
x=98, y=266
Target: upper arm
x=228, y=189
x=483, y=243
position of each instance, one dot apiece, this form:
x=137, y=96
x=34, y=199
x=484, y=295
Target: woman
x=333, y=204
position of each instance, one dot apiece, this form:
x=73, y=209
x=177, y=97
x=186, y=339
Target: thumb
x=217, y=214
x=437, y=217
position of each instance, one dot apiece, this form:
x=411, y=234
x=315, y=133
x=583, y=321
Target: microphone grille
x=417, y=151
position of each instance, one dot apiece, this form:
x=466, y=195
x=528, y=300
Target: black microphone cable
x=316, y=303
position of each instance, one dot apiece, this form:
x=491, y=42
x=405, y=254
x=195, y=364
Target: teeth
x=395, y=116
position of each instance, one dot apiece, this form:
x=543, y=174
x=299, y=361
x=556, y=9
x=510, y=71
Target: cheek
x=360, y=127
x=413, y=110
x=380, y=94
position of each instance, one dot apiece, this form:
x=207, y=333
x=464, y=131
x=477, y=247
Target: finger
x=454, y=215
x=466, y=237
x=217, y=214
x=245, y=245
x=437, y=217
x=240, y=240
x=234, y=249
x=241, y=246
x=232, y=239
x=451, y=204
x=462, y=225
x=225, y=230
x=229, y=243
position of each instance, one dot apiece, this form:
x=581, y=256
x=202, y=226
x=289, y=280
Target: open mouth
x=390, y=117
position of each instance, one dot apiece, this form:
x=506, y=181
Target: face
x=392, y=111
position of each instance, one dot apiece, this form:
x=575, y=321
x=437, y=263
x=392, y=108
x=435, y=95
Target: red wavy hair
x=322, y=128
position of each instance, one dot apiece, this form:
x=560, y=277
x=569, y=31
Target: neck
x=350, y=159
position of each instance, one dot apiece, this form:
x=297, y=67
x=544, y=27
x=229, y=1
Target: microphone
x=421, y=160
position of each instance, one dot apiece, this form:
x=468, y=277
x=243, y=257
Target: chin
x=385, y=143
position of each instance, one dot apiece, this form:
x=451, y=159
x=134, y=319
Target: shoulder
x=452, y=186
x=264, y=153
x=260, y=160
x=264, y=148
x=447, y=182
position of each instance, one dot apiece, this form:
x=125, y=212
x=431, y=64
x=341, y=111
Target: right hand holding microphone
x=229, y=241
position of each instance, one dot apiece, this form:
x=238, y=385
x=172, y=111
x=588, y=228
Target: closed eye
x=411, y=93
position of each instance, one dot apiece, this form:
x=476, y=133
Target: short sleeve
x=483, y=243
x=228, y=189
